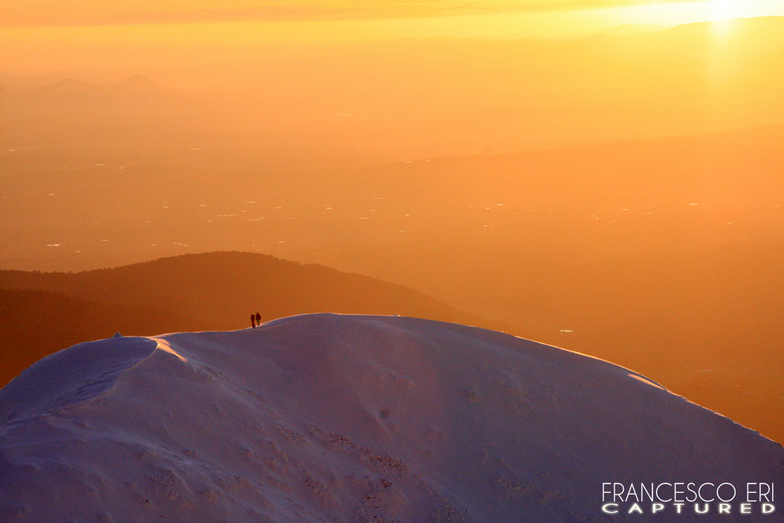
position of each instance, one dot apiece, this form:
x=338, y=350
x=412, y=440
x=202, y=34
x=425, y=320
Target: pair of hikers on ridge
x=255, y=319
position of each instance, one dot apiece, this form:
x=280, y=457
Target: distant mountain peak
x=139, y=83
x=627, y=29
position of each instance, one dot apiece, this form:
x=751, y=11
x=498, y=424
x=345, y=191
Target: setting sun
x=725, y=9
x=675, y=13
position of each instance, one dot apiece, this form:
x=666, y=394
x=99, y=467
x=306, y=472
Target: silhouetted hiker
x=253, y=320
x=258, y=319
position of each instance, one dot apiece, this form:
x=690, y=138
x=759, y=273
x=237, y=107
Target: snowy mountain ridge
x=328, y=417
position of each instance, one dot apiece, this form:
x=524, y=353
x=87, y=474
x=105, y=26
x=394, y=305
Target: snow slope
x=352, y=418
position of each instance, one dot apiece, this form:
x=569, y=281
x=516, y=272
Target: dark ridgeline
x=46, y=312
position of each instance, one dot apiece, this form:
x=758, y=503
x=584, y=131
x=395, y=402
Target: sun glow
x=725, y=10
x=676, y=13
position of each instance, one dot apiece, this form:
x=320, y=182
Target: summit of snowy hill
x=332, y=418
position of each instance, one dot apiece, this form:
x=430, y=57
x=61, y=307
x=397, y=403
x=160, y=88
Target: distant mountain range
x=46, y=312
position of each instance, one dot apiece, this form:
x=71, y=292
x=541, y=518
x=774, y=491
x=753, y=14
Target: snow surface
x=350, y=418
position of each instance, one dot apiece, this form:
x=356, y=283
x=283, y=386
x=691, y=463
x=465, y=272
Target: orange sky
x=303, y=59
x=100, y=12
x=253, y=46
x=40, y=36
